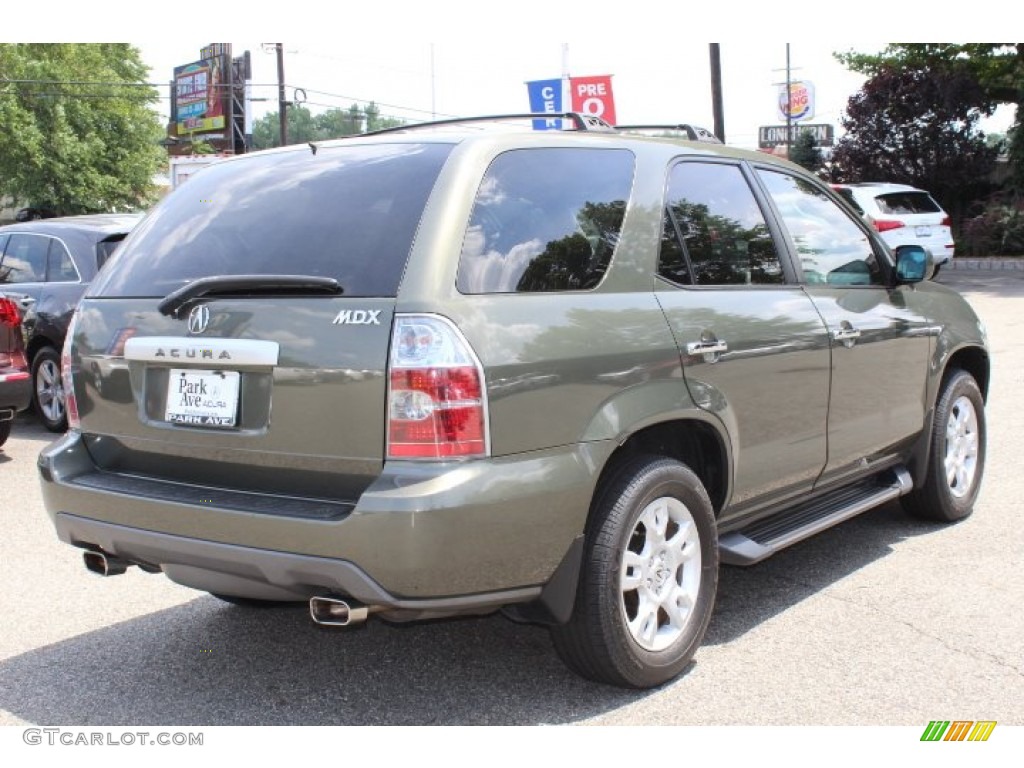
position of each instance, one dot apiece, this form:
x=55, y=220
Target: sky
x=459, y=58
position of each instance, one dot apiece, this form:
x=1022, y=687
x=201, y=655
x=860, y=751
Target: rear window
x=907, y=202
x=545, y=220
x=348, y=212
x=105, y=248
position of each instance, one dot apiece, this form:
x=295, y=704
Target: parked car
x=15, y=392
x=903, y=215
x=33, y=213
x=565, y=374
x=45, y=266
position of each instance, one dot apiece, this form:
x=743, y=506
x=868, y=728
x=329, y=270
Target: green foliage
x=304, y=126
x=77, y=132
x=805, y=152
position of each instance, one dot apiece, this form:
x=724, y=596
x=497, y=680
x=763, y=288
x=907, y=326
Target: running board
x=766, y=537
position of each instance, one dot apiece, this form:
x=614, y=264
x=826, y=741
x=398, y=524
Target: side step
x=766, y=537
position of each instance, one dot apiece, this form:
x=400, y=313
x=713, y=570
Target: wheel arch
x=975, y=361
x=694, y=440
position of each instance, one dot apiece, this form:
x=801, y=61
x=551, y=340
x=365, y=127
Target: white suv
x=903, y=215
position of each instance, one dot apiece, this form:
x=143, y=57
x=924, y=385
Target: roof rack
x=580, y=121
x=693, y=132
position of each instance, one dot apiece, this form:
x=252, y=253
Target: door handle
x=848, y=336
x=716, y=347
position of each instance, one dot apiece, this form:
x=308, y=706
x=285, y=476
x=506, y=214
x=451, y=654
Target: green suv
x=472, y=366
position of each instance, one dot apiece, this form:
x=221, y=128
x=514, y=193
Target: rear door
x=259, y=376
x=23, y=268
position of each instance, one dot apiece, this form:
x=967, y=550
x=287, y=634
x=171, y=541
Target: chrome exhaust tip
x=335, y=612
x=104, y=564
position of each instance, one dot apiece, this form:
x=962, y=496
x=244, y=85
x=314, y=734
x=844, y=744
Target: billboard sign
x=201, y=96
x=800, y=104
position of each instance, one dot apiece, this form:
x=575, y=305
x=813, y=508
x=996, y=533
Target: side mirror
x=913, y=264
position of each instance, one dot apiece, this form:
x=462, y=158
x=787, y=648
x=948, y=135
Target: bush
x=999, y=231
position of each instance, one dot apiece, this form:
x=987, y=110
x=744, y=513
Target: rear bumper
x=431, y=537
x=14, y=396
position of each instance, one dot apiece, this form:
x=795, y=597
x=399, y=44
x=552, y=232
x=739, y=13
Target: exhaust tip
x=104, y=564
x=335, y=612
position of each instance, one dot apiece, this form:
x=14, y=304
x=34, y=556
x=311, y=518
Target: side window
x=545, y=220
x=714, y=231
x=61, y=268
x=831, y=247
x=24, y=259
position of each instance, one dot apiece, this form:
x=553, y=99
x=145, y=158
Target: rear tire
x=48, y=390
x=5, y=431
x=956, y=460
x=650, y=573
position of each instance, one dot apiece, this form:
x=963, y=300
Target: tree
x=77, y=132
x=917, y=127
x=805, y=152
x=996, y=68
x=304, y=126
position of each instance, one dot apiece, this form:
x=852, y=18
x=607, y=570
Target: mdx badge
x=357, y=317
x=198, y=319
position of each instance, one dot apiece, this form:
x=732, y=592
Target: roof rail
x=693, y=132
x=580, y=121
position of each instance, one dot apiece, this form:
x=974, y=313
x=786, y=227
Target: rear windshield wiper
x=248, y=285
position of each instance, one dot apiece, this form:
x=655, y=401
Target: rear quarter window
x=347, y=212
x=545, y=220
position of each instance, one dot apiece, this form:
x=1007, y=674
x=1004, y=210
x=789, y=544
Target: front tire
x=956, y=460
x=48, y=390
x=649, y=577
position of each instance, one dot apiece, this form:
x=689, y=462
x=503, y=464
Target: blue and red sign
x=587, y=95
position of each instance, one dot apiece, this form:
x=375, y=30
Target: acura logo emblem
x=198, y=319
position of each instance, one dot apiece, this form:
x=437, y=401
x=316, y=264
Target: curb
x=992, y=264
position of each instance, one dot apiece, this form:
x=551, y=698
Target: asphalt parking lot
x=881, y=621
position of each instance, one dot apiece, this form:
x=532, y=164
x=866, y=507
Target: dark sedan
x=45, y=267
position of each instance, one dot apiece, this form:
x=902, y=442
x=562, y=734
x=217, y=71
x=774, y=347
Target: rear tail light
x=67, y=371
x=9, y=314
x=437, y=403
x=946, y=221
x=885, y=226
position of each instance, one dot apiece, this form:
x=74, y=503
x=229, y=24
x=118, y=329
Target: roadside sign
x=769, y=136
x=545, y=96
x=593, y=96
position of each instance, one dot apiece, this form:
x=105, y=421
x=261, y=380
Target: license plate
x=923, y=231
x=202, y=398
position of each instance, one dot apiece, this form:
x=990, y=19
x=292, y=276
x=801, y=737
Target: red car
x=15, y=381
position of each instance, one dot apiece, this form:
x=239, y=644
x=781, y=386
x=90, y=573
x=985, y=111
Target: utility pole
x=716, y=91
x=282, y=105
x=789, y=106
